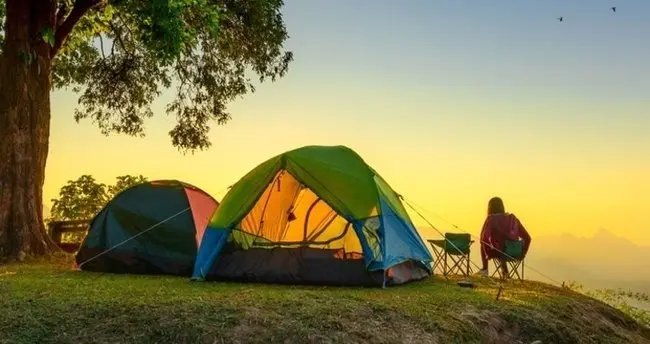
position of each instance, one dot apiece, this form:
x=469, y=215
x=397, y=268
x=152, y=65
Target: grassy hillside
x=47, y=302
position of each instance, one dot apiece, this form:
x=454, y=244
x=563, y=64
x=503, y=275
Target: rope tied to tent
x=134, y=236
x=409, y=203
x=498, y=284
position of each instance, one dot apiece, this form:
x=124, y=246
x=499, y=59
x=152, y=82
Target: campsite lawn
x=49, y=302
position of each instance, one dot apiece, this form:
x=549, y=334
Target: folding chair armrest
x=437, y=243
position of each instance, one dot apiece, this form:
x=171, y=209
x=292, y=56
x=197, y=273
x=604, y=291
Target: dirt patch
x=493, y=327
x=602, y=319
x=582, y=321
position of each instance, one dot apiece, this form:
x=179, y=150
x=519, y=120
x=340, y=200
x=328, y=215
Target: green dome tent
x=316, y=215
x=151, y=228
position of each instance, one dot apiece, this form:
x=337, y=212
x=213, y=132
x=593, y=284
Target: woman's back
x=504, y=226
x=499, y=227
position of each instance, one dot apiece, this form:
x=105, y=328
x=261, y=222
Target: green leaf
x=79, y=199
x=83, y=198
x=121, y=57
x=125, y=182
x=48, y=36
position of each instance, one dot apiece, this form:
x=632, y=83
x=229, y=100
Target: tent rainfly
x=313, y=215
x=151, y=228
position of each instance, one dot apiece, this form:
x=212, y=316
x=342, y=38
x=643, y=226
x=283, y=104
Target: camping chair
x=513, y=258
x=457, y=247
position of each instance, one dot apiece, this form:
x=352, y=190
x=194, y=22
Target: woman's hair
x=495, y=206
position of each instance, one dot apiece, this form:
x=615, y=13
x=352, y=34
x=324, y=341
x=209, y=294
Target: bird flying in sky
x=560, y=19
x=614, y=9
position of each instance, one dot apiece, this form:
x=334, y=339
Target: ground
x=50, y=302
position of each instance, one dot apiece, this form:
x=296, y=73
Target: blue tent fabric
x=400, y=239
x=213, y=241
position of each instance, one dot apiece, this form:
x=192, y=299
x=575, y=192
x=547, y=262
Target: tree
x=118, y=55
x=83, y=198
x=123, y=183
x=79, y=199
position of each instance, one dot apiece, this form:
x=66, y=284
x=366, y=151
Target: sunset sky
x=451, y=101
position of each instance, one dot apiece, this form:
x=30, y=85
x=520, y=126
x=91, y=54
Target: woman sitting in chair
x=498, y=228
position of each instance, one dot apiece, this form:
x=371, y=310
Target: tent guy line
x=321, y=209
x=171, y=249
x=314, y=215
x=499, y=284
x=134, y=236
x=407, y=201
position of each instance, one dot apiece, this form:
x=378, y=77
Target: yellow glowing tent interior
x=317, y=215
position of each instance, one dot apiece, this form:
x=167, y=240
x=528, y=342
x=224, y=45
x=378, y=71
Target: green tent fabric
x=342, y=181
x=337, y=174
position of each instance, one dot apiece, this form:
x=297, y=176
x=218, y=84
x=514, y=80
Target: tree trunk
x=25, y=66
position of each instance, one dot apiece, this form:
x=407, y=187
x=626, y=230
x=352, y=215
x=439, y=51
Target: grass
x=49, y=302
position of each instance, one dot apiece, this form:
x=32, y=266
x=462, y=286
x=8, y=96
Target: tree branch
x=118, y=35
x=101, y=42
x=61, y=12
x=125, y=26
x=81, y=7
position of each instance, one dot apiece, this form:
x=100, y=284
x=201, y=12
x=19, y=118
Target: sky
x=452, y=102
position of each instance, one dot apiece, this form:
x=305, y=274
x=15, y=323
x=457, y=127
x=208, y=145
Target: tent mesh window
x=290, y=215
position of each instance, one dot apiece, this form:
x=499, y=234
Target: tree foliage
x=118, y=55
x=79, y=199
x=123, y=183
x=83, y=198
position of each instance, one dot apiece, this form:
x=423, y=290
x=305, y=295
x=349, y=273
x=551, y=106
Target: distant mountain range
x=604, y=260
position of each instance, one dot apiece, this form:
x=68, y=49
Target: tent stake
x=499, y=292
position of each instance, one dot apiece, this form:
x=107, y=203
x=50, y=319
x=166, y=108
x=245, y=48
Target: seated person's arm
x=523, y=234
